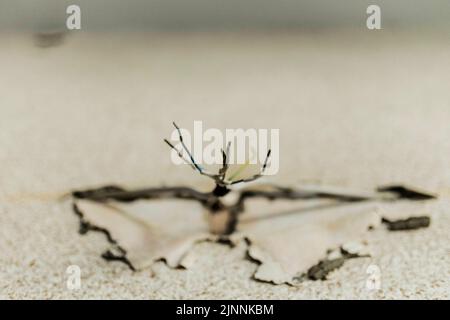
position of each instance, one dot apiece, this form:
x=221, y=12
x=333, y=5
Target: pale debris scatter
x=287, y=238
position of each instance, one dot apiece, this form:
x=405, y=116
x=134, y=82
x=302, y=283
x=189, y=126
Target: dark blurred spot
x=48, y=39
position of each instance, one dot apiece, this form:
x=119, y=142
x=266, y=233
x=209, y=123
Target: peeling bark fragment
x=407, y=224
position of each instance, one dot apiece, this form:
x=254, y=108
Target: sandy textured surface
x=354, y=110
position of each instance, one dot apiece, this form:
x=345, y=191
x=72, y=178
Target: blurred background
x=352, y=104
x=220, y=14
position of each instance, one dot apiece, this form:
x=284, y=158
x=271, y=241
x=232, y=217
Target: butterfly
x=289, y=229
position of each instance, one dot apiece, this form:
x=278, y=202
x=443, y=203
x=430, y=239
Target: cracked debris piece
x=407, y=224
x=406, y=215
x=146, y=231
x=289, y=244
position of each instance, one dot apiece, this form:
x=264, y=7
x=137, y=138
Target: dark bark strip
x=321, y=270
x=412, y=223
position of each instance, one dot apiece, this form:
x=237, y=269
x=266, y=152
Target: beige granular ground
x=356, y=110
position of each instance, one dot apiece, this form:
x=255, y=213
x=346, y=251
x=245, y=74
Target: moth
x=141, y=234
